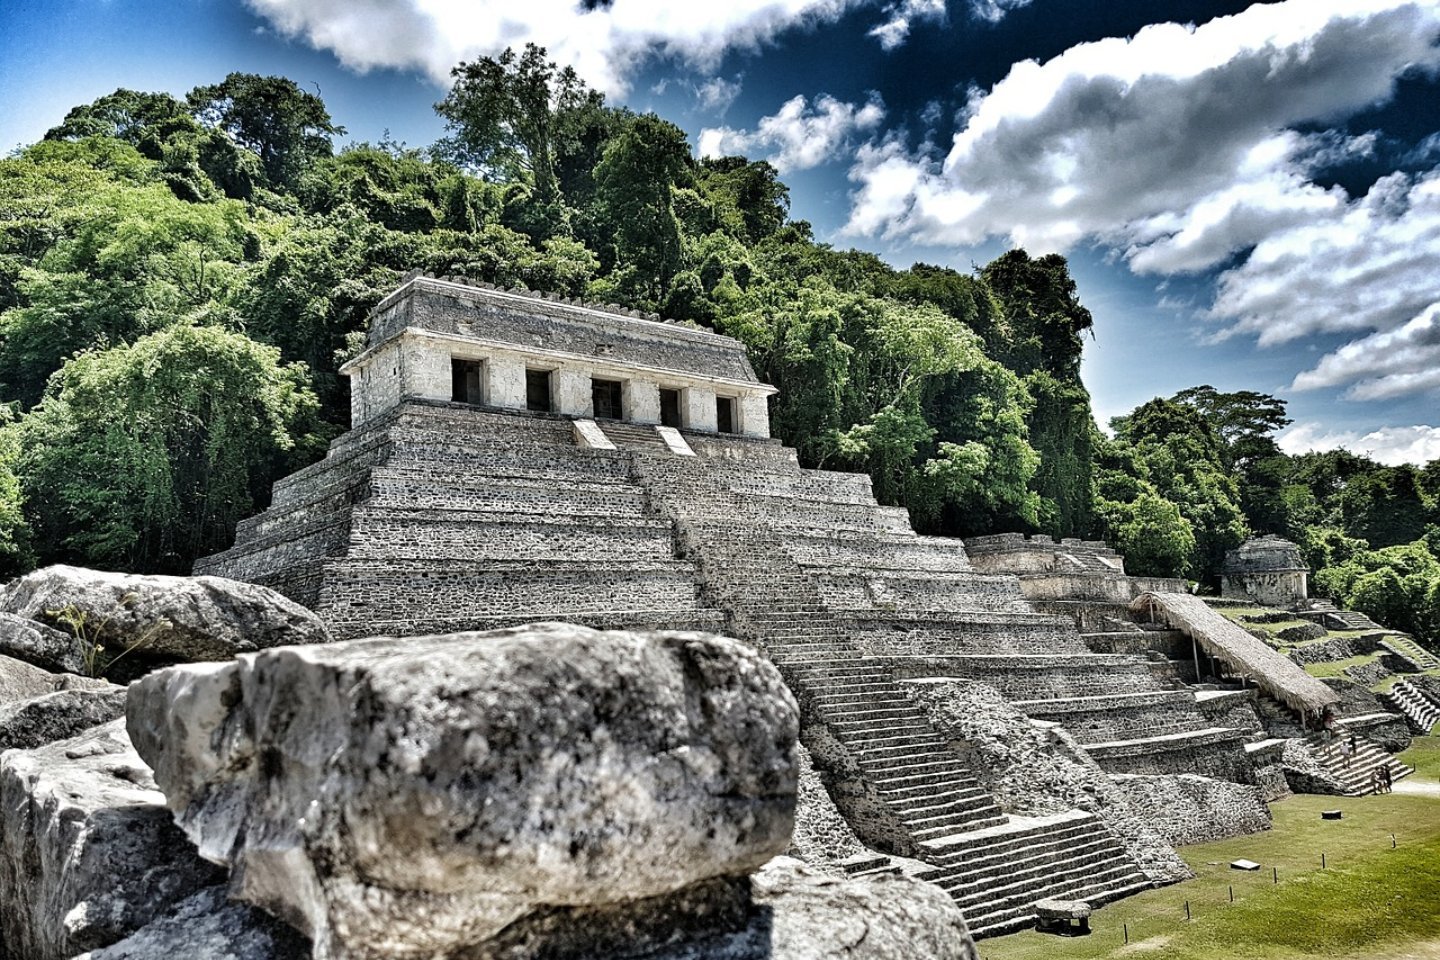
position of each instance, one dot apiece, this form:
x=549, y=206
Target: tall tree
x=285, y=126
x=143, y=457
x=513, y=115
x=635, y=187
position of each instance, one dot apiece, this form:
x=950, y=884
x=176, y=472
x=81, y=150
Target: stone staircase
x=1420, y=710
x=438, y=517
x=1408, y=648
x=1348, y=620
x=997, y=874
x=639, y=437
x=764, y=558
x=1356, y=776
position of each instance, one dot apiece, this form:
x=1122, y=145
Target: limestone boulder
x=877, y=918
x=41, y=645
x=404, y=798
x=211, y=927
x=88, y=851
x=58, y=716
x=24, y=681
x=165, y=618
x=786, y=911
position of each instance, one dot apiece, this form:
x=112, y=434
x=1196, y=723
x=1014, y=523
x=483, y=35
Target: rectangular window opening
x=606, y=396
x=537, y=391
x=725, y=414
x=465, y=381
x=670, y=408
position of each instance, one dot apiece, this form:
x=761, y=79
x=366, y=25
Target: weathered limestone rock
x=88, y=851
x=404, y=798
x=208, y=926
x=58, y=716
x=170, y=618
x=23, y=681
x=878, y=918
x=1305, y=773
x=41, y=645
x=787, y=911
x=1037, y=770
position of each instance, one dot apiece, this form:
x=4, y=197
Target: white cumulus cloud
x=717, y=93
x=799, y=135
x=1393, y=446
x=1182, y=149
x=1174, y=145
x=604, y=44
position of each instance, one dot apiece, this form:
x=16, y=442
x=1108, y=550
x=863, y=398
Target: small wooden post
x=1232, y=894
x=1275, y=874
x=1127, y=932
x=1187, y=909
x=1322, y=860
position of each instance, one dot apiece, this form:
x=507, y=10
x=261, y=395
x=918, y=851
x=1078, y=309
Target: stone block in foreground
x=410, y=797
x=88, y=851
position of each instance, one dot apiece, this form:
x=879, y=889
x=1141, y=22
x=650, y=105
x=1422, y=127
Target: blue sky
x=1249, y=195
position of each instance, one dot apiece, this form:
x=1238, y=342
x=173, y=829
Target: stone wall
x=1185, y=808
x=822, y=838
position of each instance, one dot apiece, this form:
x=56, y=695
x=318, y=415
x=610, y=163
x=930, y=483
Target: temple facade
x=438, y=339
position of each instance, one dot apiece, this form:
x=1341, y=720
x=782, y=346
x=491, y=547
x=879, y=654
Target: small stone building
x=435, y=339
x=1267, y=570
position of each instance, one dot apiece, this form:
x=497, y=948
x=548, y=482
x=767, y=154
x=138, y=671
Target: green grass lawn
x=1372, y=901
x=1336, y=668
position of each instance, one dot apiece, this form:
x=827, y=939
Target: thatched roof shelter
x=1225, y=641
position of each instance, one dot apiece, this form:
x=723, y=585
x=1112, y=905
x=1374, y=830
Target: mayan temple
x=991, y=716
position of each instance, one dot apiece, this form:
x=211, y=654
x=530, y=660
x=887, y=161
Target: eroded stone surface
x=1186, y=808
x=41, y=645
x=88, y=851
x=58, y=716
x=24, y=681
x=786, y=911
x=172, y=618
x=822, y=838
x=876, y=918
x=208, y=926
x=398, y=798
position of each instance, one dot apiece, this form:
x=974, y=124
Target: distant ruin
x=987, y=715
x=1267, y=570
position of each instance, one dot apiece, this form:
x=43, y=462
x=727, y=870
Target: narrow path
x=1424, y=788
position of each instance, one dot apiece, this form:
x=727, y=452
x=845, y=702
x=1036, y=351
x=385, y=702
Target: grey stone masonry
x=447, y=339
x=437, y=517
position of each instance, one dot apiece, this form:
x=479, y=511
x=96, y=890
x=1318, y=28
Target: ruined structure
x=1267, y=570
x=517, y=459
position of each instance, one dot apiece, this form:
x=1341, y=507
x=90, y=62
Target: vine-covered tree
x=143, y=457
x=512, y=117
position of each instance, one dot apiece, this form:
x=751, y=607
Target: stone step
x=919, y=802
x=1009, y=920
x=1017, y=835
x=1018, y=881
x=912, y=789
